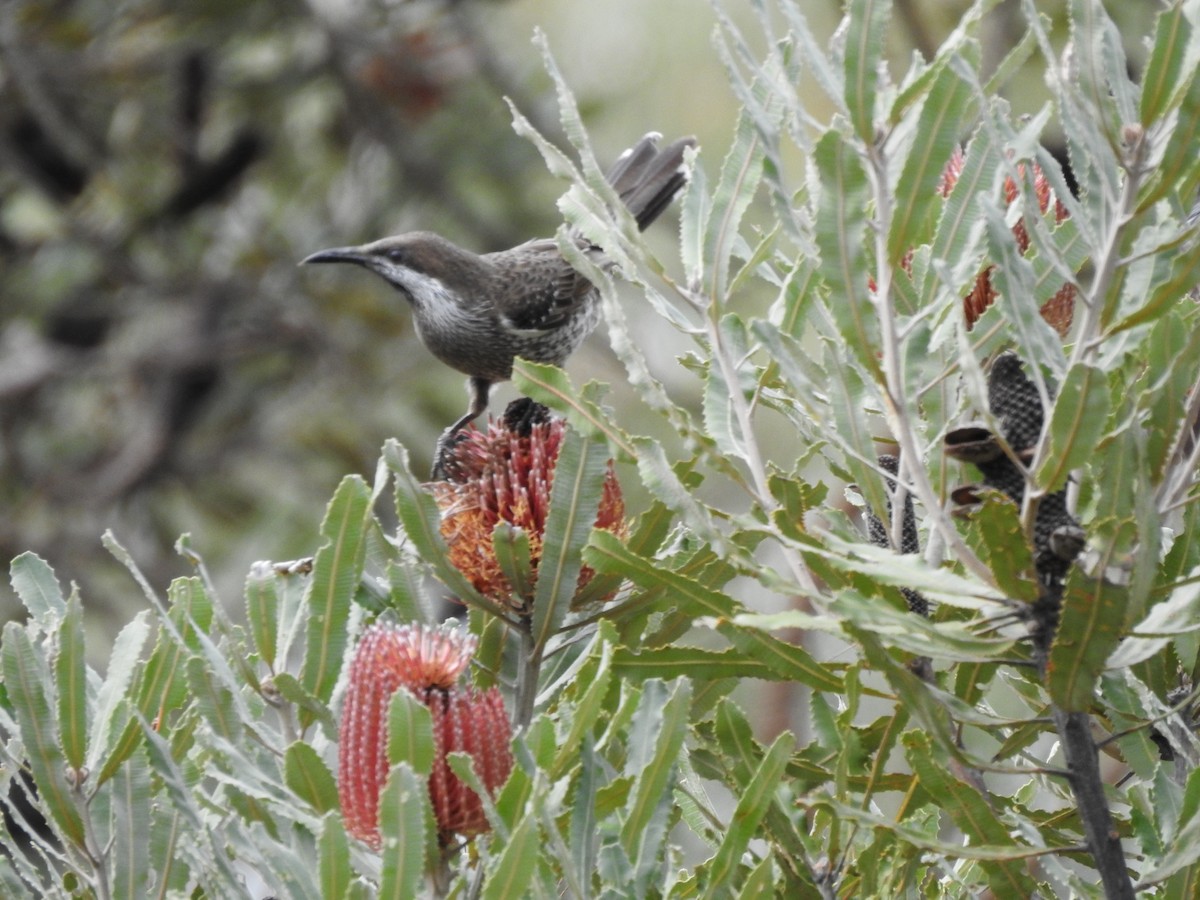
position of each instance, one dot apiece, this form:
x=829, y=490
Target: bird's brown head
x=413, y=263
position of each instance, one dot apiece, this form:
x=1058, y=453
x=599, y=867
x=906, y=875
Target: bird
x=478, y=312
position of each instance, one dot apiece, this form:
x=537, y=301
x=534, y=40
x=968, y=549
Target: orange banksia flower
x=505, y=474
x=426, y=661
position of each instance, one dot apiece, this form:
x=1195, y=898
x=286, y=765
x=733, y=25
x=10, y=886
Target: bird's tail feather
x=647, y=178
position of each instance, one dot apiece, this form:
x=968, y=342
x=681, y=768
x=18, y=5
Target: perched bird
x=477, y=312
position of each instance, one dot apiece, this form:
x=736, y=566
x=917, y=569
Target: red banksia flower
x=505, y=474
x=427, y=662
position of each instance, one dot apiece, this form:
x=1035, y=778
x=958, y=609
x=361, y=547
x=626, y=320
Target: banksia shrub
x=505, y=474
x=426, y=661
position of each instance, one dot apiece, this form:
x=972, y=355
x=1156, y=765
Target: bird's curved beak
x=336, y=254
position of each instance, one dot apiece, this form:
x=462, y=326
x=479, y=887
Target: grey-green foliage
x=639, y=772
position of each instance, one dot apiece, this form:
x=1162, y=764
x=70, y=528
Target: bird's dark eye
x=397, y=254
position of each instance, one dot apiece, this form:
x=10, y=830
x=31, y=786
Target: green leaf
x=132, y=803
x=70, y=676
x=26, y=677
x=111, y=715
x=752, y=806
x=214, y=700
x=957, y=248
x=741, y=173
x=938, y=130
x=511, y=546
x=895, y=627
x=970, y=811
x=607, y=554
x=593, y=682
x=1160, y=80
x=1179, y=169
x=1090, y=625
x=513, y=872
x=1077, y=423
x=404, y=818
x=306, y=774
x=34, y=582
x=333, y=849
x=337, y=571
x=865, y=33
x=998, y=539
x=1166, y=621
x=579, y=474
x=841, y=223
x=655, y=740
x=552, y=387
x=692, y=662
x=262, y=611
x=410, y=733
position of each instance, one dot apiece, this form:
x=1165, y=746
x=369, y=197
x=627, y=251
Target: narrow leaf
x=35, y=584
x=410, y=733
x=70, y=675
x=306, y=774
x=865, y=33
x=337, y=571
x=26, y=676
x=1093, y=613
x=403, y=817
x=574, y=500
x=514, y=870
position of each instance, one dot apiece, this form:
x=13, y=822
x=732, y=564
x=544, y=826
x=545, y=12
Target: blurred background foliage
x=164, y=365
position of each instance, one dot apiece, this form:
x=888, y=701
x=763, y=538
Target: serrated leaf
x=1077, y=422
x=895, y=627
x=579, y=474
x=35, y=584
x=1090, y=625
x=333, y=853
x=1165, y=622
x=655, y=740
x=113, y=700
x=513, y=872
x=410, y=733
x=551, y=386
x=129, y=857
x=1168, y=50
x=841, y=222
x=865, y=33
x=693, y=662
x=262, y=611
x=607, y=554
x=938, y=130
x=70, y=677
x=752, y=806
x=958, y=240
x=511, y=546
x=998, y=539
x=306, y=774
x=404, y=815
x=970, y=811
x=26, y=675
x=337, y=571
x=741, y=172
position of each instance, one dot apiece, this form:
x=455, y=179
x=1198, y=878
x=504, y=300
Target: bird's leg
x=478, y=388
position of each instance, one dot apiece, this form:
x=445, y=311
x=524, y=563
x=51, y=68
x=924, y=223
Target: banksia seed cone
x=505, y=474
x=427, y=662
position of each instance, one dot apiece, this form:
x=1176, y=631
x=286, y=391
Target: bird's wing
x=543, y=290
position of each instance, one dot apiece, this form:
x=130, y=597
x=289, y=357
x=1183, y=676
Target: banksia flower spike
x=427, y=662
x=505, y=474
